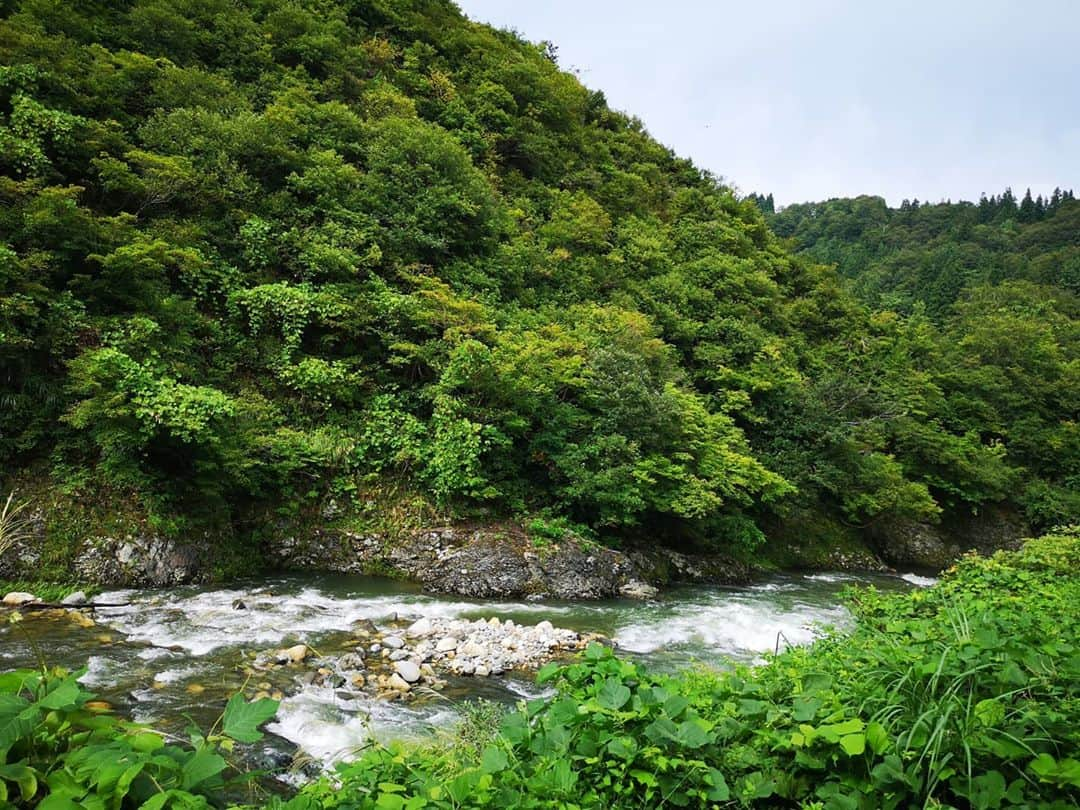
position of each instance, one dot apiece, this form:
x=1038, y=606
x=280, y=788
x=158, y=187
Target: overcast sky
x=811, y=99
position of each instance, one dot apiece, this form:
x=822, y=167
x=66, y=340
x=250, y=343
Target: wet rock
x=398, y=655
x=145, y=560
x=636, y=589
x=408, y=671
x=470, y=649
x=398, y=683
x=419, y=628
x=365, y=627
x=17, y=598
x=393, y=642
x=81, y=619
x=351, y=661
x=239, y=604
x=922, y=546
x=74, y=599
x=293, y=655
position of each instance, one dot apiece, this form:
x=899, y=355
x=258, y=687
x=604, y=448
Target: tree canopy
x=259, y=254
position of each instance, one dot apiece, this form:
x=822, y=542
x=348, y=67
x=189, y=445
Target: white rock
x=420, y=628
x=481, y=671
x=17, y=598
x=393, y=642
x=545, y=626
x=408, y=671
x=294, y=655
x=400, y=684
x=636, y=589
x=494, y=621
x=446, y=644
x=470, y=649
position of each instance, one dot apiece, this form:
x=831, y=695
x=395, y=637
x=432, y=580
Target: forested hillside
x=929, y=253
x=259, y=255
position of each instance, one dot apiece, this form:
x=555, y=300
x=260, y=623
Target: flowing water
x=179, y=653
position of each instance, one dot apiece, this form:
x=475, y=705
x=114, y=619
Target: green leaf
x=547, y=672
x=990, y=712
x=146, y=742
x=853, y=744
x=613, y=695
x=60, y=802
x=242, y=719
x=65, y=694
x=877, y=738
x=23, y=776
x=493, y=760
x=203, y=765
x=718, y=786
x=692, y=734
x=805, y=708
x=987, y=791
x=816, y=682
x=645, y=777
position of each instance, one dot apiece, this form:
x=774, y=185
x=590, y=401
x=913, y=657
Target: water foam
x=201, y=623
x=918, y=580
x=330, y=728
x=729, y=625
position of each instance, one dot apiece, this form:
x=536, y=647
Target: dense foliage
x=929, y=253
x=62, y=750
x=964, y=695
x=255, y=255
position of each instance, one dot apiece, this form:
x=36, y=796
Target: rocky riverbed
x=398, y=664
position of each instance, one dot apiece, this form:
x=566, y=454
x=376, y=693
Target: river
x=177, y=654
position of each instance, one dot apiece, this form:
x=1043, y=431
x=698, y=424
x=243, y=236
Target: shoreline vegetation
x=965, y=694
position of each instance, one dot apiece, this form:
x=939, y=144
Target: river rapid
x=172, y=657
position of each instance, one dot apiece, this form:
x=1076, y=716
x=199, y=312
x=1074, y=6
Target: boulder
x=16, y=598
x=293, y=655
x=419, y=628
x=636, y=589
x=446, y=644
x=74, y=599
x=408, y=671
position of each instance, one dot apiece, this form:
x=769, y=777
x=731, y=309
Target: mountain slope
x=260, y=256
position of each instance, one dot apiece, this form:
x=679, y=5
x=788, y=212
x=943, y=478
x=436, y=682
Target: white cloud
x=818, y=98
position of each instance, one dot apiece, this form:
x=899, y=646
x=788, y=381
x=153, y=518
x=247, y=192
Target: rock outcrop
x=501, y=562
x=908, y=544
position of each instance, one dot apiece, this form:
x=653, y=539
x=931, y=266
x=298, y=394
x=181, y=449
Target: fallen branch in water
x=61, y=606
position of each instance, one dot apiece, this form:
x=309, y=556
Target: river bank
x=114, y=544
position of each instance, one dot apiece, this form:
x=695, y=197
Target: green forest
x=259, y=255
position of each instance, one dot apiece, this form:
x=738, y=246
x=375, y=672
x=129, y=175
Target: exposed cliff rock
x=488, y=562
x=908, y=544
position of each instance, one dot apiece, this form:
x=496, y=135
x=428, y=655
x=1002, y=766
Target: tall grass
x=14, y=523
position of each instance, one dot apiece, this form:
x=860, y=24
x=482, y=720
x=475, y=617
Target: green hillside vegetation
x=258, y=255
x=928, y=253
